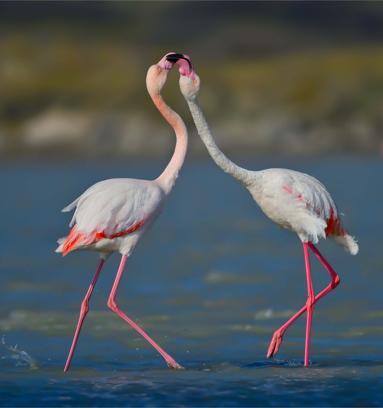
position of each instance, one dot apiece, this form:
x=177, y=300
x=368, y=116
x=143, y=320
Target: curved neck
x=170, y=174
x=241, y=174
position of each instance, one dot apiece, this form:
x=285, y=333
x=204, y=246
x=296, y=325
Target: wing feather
x=298, y=202
x=115, y=205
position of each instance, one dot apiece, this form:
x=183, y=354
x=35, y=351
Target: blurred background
x=285, y=77
x=284, y=84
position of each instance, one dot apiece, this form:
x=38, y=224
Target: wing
x=299, y=202
x=115, y=205
x=110, y=209
x=311, y=193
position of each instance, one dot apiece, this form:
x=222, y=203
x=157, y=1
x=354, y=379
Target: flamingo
x=112, y=215
x=293, y=200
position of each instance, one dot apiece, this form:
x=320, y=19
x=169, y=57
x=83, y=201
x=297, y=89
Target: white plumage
x=113, y=214
x=300, y=203
x=111, y=207
x=293, y=200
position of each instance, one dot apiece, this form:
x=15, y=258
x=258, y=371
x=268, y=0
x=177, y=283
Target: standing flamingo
x=112, y=215
x=291, y=199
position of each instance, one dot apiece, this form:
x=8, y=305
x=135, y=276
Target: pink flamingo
x=291, y=199
x=112, y=215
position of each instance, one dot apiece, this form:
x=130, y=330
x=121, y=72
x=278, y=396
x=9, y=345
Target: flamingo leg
x=334, y=276
x=83, y=312
x=278, y=334
x=114, y=307
x=309, y=303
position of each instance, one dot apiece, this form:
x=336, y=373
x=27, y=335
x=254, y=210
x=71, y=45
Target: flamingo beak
x=174, y=57
x=184, y=63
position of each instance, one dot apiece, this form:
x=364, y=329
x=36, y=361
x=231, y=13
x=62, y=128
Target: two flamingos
x=112, y=215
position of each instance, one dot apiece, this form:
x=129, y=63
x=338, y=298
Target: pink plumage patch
x=289, y=190
x=333, y=223
x=77, y=238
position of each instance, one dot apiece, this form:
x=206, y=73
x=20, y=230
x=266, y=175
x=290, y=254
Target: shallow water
x=210, y=282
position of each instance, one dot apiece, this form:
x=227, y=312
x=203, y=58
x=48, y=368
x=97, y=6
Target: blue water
x=210, y=282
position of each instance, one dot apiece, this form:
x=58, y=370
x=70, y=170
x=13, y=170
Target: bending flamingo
x=112, y=215
x=291, y=199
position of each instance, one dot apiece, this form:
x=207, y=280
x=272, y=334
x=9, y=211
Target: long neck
x=241, y=174
x=170, y=174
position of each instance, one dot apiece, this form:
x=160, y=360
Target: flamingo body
x=300, y=203
x=112, y=215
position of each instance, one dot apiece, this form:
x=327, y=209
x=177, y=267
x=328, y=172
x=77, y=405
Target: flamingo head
x=189, y=80
x=158, y=74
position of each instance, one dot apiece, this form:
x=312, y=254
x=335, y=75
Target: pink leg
x=83, y=312
x=309, y=303
x=334, y=277
x=278, y=334
x=114, y=307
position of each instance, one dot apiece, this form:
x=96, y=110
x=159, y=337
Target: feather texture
x=301, y=203
x=112, y=209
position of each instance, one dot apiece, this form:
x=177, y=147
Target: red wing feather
x=77, y=238
x=333, y=226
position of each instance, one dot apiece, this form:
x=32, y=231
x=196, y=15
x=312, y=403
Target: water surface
x=210, y=282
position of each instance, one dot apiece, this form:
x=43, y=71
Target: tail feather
x=60, y=241
x=348, y=243
x=71, y=206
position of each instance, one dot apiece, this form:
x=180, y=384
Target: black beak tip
x=174, y=57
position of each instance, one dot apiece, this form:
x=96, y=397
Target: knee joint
x=112, y=304
x=335, y=282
